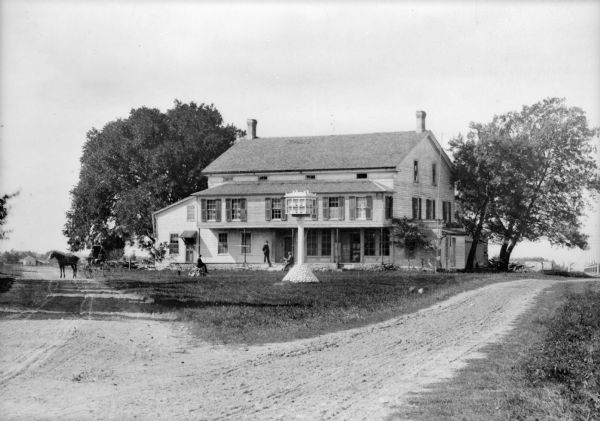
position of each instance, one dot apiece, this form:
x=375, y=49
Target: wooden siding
x=174, y=221
x=405, y=188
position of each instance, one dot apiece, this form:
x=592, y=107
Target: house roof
x=280, y=188
x=335, y=152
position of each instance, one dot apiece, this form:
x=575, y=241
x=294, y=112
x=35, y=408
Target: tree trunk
x=505, y=252
x=504, y=256
x=476, y=237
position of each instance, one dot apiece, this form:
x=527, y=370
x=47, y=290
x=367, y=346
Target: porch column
x=362, y=245
x=300, y=241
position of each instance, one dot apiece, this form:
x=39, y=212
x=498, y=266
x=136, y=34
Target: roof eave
x=303, y=170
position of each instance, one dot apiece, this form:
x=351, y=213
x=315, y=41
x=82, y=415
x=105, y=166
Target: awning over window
x=188, y=234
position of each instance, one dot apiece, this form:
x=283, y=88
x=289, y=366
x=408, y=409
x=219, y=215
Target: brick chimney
x=251, y=132
x=421, y=121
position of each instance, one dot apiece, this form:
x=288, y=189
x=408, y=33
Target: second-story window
x=211, y=210
x=235, y=209
x=361, y=207
x=333, y=208
x=275, y=208
x=416, y=171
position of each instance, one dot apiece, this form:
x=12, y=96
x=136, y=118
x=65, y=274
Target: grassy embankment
x=254, y=307
x=547, y=368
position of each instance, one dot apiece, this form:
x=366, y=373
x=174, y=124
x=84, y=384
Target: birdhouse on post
x=301, y=205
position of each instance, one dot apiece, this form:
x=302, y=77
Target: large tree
x=137, y=165
x=527, y=173
x=4, y=207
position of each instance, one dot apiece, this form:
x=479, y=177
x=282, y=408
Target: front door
x=350, y=242
x=189, y=252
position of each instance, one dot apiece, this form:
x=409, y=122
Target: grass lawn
x=250, y=307
x=547, y=368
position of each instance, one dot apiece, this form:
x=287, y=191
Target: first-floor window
x=173, y=244
x=312, y=241
x=246, y=242
x=416, y=208
x=223, y=245
x=389, y=207
x=370, y=237
x=385, y=242
x=430, y=209
x=325, y=243
x=447, y=211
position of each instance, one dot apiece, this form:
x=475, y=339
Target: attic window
x=262, y=178
x=361, y=175
x=310, y=176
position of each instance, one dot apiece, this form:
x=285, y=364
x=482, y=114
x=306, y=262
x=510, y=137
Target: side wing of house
x=177, y=225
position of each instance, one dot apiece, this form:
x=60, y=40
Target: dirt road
x=144, y=369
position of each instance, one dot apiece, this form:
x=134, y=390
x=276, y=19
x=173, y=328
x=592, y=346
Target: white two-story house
x=362, y=182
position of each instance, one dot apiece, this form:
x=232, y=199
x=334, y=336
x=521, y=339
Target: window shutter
x=342, y=211
x=420, y=208
x=283, y=214
x=433, y=210
x=352, y=207
x=325, y=208
x=203, y=210
x=267, y=209
x=369, y=211
x=243, y=212
x=218, y=212
x=449, y=211
x=315, y=215
x=228, y=210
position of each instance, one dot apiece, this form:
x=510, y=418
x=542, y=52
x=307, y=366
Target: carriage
x=96, y=261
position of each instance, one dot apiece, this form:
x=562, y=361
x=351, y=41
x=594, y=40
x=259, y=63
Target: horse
x=65, y=260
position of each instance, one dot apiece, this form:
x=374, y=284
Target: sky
x=299, y=68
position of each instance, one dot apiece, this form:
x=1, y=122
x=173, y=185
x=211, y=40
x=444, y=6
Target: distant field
x=254, y=307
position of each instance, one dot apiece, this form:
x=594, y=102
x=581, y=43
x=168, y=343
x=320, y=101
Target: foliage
x=4, y=213
x=570, y=354
x=15, y=256
x=411, y=236
x=137, y=165
x=524, y=175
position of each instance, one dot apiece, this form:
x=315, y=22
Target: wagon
x=95, y=261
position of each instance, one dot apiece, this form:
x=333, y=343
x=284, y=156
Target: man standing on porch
x=266, y=252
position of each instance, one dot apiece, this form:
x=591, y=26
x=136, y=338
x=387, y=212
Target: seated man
x=201, y=264
x=289, y=261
